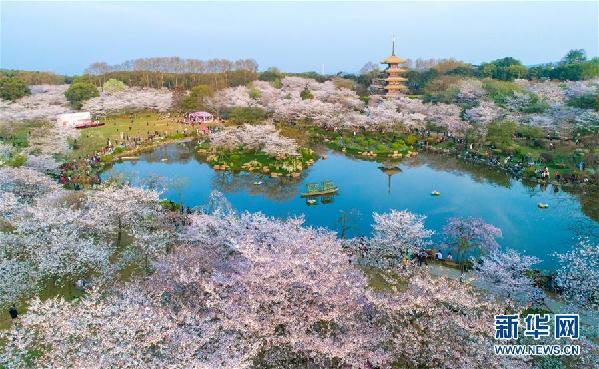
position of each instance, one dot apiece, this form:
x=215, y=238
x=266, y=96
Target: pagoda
x=394, y=82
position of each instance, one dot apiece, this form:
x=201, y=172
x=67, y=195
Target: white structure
x=71, y=119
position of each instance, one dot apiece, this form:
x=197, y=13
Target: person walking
x=14, y=314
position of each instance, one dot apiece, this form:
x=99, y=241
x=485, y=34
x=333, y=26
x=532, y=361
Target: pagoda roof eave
x=393, y=60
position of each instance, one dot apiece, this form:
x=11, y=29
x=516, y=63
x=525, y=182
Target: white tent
x=70, y=119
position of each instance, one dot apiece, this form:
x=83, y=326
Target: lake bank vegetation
x=256, y=148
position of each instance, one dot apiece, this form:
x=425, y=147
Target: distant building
x=72, y=119
x=394, y=83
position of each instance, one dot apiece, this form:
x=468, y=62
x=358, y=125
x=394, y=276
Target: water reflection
x=365, y=187
x=277, y=189
x=477, y=172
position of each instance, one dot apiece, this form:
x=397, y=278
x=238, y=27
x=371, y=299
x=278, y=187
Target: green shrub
x=13, y=88
x=306, y=94
x=254, y=92
x=498, y=91
x=271, y=74
x=448, y=96
x=79, y=92
x=501, y=133
x=113, y=85
x=277, y=84
x=176, y=136
x=530, y=172
x=535, y=106
x=504, y=69
x=584, y=102
x=411, y=140
x=170, y=205
x=240, y=115
x=531, y=132
x=17, y=161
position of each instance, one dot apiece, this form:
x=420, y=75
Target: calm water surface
x=466, y=190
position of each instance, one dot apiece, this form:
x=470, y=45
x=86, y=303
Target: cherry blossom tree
x=245, y=291
x=431, y=311
x=396, y=235
x=484, y=113
x=505, y=273
x=9, y=203
x=263, y=137
x=6, y=153
x=470, y=90
x=578, y=275
x=550, y=91
x=580, y=88
x=42, y=163
x=55, y=236
x=447, y=116
x=467, y=235
x=130, y=98
x=518, y=101
x=45, y=102
x=119, y=330
x=25, y=183
x=119, y=210
x=48, y=243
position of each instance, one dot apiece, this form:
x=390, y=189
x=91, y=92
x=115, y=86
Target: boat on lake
x=325, y=188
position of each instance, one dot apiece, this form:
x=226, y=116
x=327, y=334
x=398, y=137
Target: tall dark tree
x=574, y=56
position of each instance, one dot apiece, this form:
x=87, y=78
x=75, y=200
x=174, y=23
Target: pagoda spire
x=393, y=47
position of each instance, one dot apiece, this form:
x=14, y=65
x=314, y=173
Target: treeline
x=174, y=64
x=274, y=74
x=186, y=81
x=175, y=72
x=35, y=77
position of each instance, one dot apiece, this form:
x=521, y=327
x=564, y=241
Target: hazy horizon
x=66, y=37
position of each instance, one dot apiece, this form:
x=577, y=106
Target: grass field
x=137, y=125
x=18, y=134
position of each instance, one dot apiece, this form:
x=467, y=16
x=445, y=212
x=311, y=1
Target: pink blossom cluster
x=246, y=290
x=263, y=137
x=45, y=102
x=131, y=98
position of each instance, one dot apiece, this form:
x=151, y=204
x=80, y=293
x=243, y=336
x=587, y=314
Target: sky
x=65, y=37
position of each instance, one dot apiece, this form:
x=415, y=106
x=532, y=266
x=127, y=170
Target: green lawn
x=17, y=134
x=137, y=125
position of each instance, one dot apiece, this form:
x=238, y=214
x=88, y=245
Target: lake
x=467, y=190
